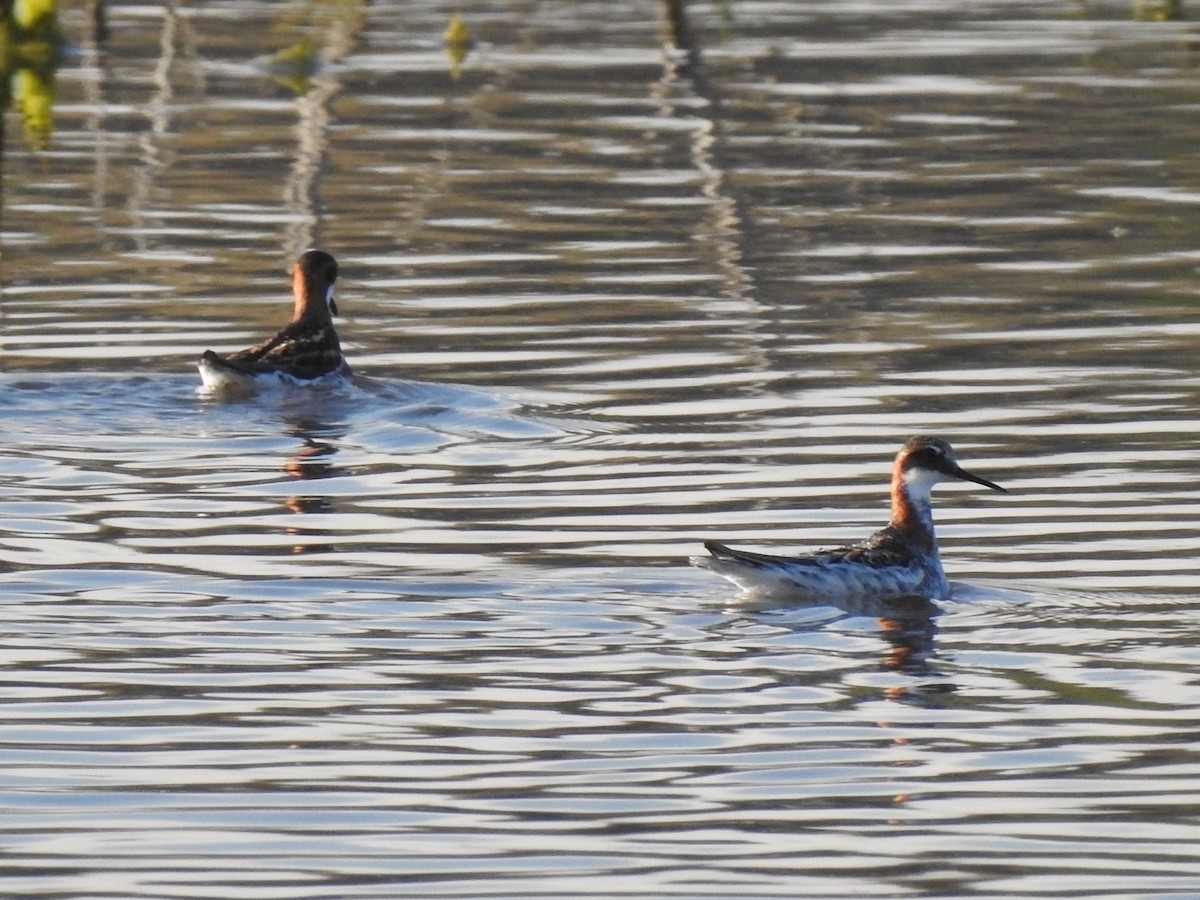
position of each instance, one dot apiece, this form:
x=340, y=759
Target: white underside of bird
x=216, y=378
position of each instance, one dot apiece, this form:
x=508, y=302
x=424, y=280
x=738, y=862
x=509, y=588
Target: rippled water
x=618, y=283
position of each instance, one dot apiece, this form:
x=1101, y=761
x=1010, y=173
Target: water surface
x=614, y=284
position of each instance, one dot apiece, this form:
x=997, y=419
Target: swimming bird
x=305, y=351
x=901, y=559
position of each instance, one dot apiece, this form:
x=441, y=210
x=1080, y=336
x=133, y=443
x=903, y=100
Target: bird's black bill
x=959, y=472
x=333, y=306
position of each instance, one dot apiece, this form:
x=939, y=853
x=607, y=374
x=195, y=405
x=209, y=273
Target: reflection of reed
x=150, y=141
x=684, y=62
x=2, y=132
x=176, y=38
x=95, y=91
x=99, y=17
x=300, y=192
x=312, y=124
x=724, y=230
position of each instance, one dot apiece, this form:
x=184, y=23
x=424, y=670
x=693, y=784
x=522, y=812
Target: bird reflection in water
x=313, y=461
x=907, y=624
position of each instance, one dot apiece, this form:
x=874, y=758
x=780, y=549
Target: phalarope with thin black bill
x=901, y=559
x=306, y=351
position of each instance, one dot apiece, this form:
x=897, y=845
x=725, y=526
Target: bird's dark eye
x=932, y=456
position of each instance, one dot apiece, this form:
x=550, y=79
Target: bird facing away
x=901, y=559
x=303, y=352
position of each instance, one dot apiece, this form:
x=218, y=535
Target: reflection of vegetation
x=297, y=65
x=31, y=44
x=324, y=23
x=1157, y=10
x=316, y=36
x=458, y=44
x=294, y=66
x=1140, y=10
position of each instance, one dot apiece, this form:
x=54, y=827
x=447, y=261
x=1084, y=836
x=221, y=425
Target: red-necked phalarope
x=901, y=559
x=306, y=350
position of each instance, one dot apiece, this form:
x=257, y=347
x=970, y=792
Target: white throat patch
x=920, y=482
